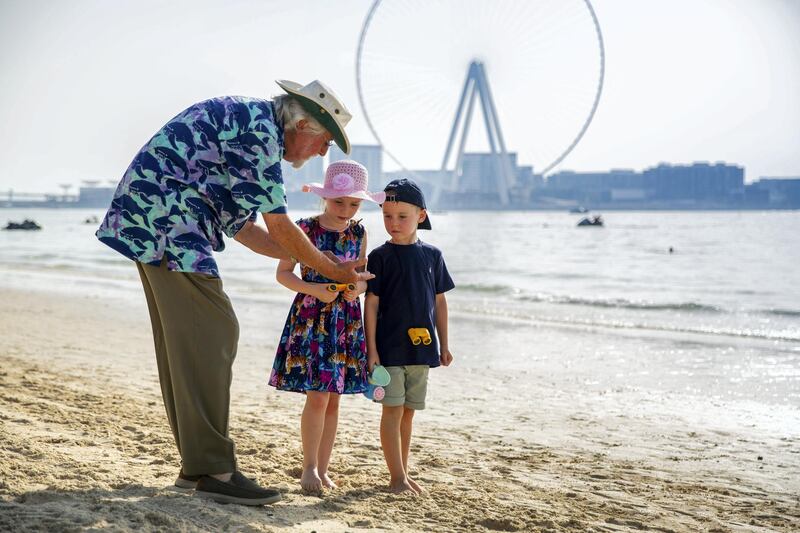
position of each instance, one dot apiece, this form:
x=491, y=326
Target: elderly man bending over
x=205, y=174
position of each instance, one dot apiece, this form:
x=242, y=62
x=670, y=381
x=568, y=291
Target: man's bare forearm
x=258, y=239
x=295, y=243
x=292, y=239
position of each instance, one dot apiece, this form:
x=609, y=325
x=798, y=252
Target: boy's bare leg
x=406, y=426
x=328, y=438
x=312, y=424
x=392, y=449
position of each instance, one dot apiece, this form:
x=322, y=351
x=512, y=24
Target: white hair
x=289, y=112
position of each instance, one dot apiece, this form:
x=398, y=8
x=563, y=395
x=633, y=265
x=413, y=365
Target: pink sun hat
x=345, y=178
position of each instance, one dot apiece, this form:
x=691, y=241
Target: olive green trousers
x=196, y=333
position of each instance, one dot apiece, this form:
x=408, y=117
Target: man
x=206, y=173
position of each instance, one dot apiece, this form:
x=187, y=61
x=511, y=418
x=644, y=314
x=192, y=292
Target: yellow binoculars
x=420, y=335
x=333, y=287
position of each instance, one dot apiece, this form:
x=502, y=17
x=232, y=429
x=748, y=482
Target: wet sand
x=84, y=444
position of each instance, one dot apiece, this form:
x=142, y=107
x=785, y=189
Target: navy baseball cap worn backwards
x=405, y=190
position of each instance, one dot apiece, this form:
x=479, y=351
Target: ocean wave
x=621, y=303
x=791, y=335
x=498, y=289
x=77, y=260
x=782, y=312
x=484, y=288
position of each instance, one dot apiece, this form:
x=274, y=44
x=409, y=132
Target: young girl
x=322, y=350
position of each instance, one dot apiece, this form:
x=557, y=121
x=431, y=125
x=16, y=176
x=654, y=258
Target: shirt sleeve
x=254, y=168
x=374, y=266
x=443, y=280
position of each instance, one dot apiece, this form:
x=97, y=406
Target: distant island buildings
x=699, y=185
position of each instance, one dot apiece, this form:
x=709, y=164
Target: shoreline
x=86, y=444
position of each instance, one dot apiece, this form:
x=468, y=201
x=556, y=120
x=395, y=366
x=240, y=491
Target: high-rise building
x=597, y=187
x=775, y=192
x=480, y=172
x=696, y=182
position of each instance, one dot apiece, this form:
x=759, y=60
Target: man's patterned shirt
x=205, y=173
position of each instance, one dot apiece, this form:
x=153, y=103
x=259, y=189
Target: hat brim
x=318, y=112
x=320, y=190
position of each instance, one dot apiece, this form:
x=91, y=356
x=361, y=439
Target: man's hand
x=347, y=272
x=292, y=239
x=446, y=357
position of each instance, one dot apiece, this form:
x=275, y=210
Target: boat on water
x=596, y=220
x=26, y=224
x=578, y=210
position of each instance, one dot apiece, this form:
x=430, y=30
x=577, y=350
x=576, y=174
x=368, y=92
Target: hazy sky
x=86, y=82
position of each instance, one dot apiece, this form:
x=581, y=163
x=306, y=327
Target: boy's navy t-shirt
x=407, y=280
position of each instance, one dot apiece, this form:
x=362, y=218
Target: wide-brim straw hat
x=323, y=104
x=345, y=178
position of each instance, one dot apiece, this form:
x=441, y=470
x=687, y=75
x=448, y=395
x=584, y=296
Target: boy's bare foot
x=401, y=486
x=327, y=482
x=310, y=480
x=415, y=486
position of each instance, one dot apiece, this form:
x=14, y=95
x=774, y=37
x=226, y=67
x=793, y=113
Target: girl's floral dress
x=322, y=347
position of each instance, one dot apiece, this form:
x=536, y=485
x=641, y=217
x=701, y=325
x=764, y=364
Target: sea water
x=696, y=306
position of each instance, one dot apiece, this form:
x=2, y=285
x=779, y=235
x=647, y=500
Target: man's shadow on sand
x=157, y=508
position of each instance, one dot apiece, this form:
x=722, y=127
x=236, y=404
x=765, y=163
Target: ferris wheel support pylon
x=476, y=83
x=558, y=68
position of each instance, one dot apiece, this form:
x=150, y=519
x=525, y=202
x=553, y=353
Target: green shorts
x=408, y=387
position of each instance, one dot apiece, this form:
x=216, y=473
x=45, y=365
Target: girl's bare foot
x=310, y=480
x=327, y=482
x=414, y=486
x=401, y=486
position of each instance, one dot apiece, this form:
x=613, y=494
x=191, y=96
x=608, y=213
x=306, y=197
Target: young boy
x=404, y=311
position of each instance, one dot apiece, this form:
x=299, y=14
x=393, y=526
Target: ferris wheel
x=534, y=67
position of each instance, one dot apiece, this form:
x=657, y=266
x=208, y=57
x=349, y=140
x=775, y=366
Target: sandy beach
x=84, y=445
